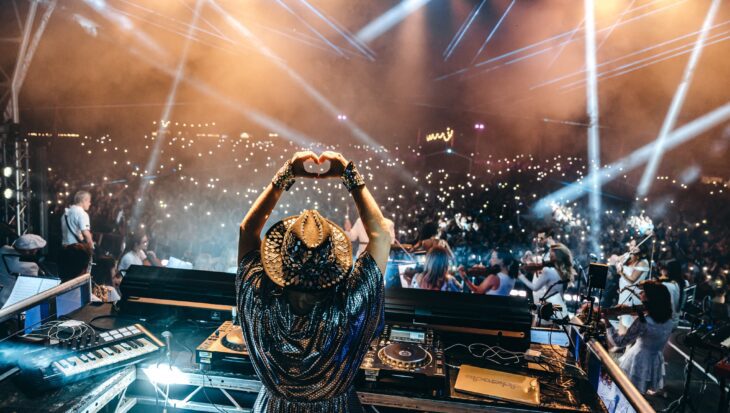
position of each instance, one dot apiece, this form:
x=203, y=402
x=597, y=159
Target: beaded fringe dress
x=307, y=363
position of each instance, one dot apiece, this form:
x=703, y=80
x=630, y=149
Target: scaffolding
x=15, y=180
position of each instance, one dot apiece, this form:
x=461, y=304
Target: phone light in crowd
x=479, y=126
x=8, y=193
x=7, y=171
x=518, y=293
x=341, y=117
x=449, y=151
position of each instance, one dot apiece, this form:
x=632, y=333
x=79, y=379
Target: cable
x=205, y=376
x=489, y=353
x=27, y=327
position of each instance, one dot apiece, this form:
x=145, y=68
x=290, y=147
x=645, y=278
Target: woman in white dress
x=643, y=362
x=500, y=283
x=554, y=279
x=632, y=273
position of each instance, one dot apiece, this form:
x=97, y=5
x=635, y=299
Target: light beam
x=555, y=37
x=594, y=145
x=494, y=30
x=462, y=30
x=165, y=119
x=348, y=36
x=309, y=89
x=311, y=28
x=671, y=119
x=389, y=19
x=635, y=159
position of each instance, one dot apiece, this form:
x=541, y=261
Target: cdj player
x=225, y=349
x=406, y=355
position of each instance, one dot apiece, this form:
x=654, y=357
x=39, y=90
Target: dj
x=307, y=316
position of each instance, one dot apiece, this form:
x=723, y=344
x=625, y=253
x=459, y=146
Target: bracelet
x=284, y=179
x=351, y=178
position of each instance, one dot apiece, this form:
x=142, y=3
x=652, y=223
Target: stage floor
x=704, y=393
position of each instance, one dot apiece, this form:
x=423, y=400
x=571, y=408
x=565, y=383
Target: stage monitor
x=179, y=284
x=507, y=318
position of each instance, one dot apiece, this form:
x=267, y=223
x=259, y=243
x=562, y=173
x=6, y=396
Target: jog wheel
x=234, y=339
x=404, y=356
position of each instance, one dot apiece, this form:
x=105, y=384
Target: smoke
x=87, y=76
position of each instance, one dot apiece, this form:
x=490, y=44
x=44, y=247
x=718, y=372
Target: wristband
x=284, y=179
x=351, y=178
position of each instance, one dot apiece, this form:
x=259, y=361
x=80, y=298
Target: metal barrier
x=28, y=303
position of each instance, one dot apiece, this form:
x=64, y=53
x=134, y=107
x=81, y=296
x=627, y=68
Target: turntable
x=405, y=355
x=225, y=349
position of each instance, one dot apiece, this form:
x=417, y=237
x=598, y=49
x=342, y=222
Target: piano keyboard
x=108, y=351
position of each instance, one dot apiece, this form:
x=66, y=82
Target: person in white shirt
x=500, y=283
x=671, y=277
x=75, y=223
x=358, y=234
x=27, y=245
x=554, y=280
x=136, y=253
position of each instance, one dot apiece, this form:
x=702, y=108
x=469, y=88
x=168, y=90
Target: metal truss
x=15, y=179
x=10, y=84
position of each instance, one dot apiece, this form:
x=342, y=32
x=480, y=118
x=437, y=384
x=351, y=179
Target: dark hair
x=548, y=231
x=428, y=230
x=508, y=261
x=133, y=239
x=658, y=301
x=102, y=270
x=643, y=251
x=436, y=266
x=73, y=260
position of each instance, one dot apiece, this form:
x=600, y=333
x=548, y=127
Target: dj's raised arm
x=370, y=214
x=249, y=234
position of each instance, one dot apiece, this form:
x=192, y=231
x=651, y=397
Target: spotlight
x=449, y=150
x=7, y=171
x=8, y=193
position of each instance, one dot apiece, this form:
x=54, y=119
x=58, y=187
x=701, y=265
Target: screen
x=549, y=337
x=612, y=397
x=407, y=336
x=71, y=301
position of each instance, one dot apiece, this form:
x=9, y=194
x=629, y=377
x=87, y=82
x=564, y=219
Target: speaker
x=597, y=274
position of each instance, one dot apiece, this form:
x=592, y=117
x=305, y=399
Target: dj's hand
x=338, y=163
x=297, y=163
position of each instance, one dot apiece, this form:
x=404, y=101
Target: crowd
x=202, y=185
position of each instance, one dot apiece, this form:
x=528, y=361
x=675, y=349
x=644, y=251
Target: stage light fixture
x=7, y=171
x=8, y=193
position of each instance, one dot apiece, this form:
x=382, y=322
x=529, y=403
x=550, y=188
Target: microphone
x=168, y=335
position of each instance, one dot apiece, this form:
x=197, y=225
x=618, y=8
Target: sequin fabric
x=307, y=363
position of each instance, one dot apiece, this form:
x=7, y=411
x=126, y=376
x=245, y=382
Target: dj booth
x=172, y=343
